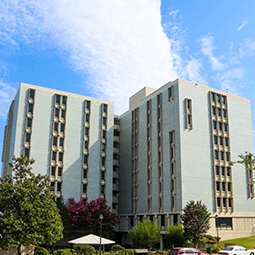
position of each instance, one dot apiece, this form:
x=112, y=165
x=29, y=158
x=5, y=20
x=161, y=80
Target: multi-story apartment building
x=173, y=145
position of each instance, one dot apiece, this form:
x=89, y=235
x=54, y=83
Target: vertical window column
x=57, y=143
x=250, y=180
x=149, y=167
x=188, y=110
x=172, y=171
x=29, y=118
x=85, y=149
x=160, y=152
x=104, y=109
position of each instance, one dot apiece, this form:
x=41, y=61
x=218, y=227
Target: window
x=224, y=202
x=104, y=121
x=55, y=140
x=63, y=100
x=85, y=173
x=189, y=118
x=86, y=131
x=56, y=127
x=87, y=118
x=219, y=112
x=215, y=139
x=61, y=142
x=60, y=156
x=226, y=141
x=88, y=105
x=32, y=93
x=105, y=108
x=53, y=155
x=28, y=136
x=225, y=127
x=102, y=190
x=227, y=156
x=217, y=186
x=116, y=144
x=103, y=147
x=218, y=98
x=223, y=99
x=29, y=123
x=53, y=170
x=216, y=155
x=221, y=140
x=60, y=171
x=223, y=186
x=170, y=93
x=84, y=188
x=220, y=126
x=30, y=108
x=213, y=111
x=59, y=185
x=85, y=160
x=63, y=114
x=102, y=175
x=218, y=202
x=217, y=170
x=229, y=186
x=214, y=125
x=115, y=156
x=57, y=99
x=230, y=202
x=57, y=113
x=212, y=97
x=116, y=133
x=86, y=145
x=116, y=121
x=62, y=127
x=224, y=113
x=52, y=184
x=104, y=134
x=222, y=170
x=228, y=171
x=222, y=155
x=103, y=161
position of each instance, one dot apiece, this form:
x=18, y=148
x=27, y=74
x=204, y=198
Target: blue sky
x=111, y=49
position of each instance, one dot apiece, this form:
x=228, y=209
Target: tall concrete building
x=173, y=145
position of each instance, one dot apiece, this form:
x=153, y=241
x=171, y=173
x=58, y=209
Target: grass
x=247, y=242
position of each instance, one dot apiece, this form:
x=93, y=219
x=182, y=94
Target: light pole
x=216, y=218
x=101, y=219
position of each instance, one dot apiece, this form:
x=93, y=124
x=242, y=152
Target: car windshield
x=173, y=252
x=230, y=248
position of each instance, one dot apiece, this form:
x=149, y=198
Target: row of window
x=149, y=185
x=218, y=98
x=172, y=168
x=219, y=112
x=220, y=126
x=60, y=100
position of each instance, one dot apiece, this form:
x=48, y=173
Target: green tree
x=195, y=220
x=175, y=235
x=30, y=214
x=247, y=159
x=145, y=234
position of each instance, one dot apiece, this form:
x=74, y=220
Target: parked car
x=183, y=250
x=236, y=250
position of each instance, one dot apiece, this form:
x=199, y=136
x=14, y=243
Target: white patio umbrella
x=91, y=239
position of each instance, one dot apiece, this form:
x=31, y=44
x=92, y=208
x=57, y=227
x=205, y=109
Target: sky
x=111, y=49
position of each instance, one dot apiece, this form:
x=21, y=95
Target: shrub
x=64, y=252
x=203, y=240
x=40, y=251
x=175, y=235
x=217, y=248
x=130, y=251
x=117, y=247
x=85, y=248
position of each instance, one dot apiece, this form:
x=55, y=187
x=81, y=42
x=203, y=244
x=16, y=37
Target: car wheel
x=251, y=253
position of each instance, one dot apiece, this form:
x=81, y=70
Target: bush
x=40, y=251
x=217, y=248
x=64, y=252
x=175, y=235
x=117, y=247
x=203, y=240
x=85, y=248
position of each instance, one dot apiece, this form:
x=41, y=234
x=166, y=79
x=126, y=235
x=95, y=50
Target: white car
x=236, y=250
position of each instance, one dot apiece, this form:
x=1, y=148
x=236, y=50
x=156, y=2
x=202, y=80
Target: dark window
x=219, y=112
x=216, y=155
x=224, y=222
x=228, y=171
x=223, y=186
x=86, y=131
x=223, y=99
x=59, y=184
x=87, y=118
x=220, y=126
x=102, y=190
x=84, y=189
x=63, y=114
x=62, y=127
x=60, y=156
x=30, y=108
x=227, y=156
x=218, y=201
x=222, y=170
x=189, y=119
x=53, y=155
x=212, y=96
x=64, y=100
x=104, y=134
x=115, y=168
x=102, y=175
x=217, y=170
x=55, y=140
x=61, y=142
x=85, y=173
x=222, y=155
x=217, y=186
x=224, y=202
x=116, y=133
x=215, y=139
x=104, y=121
x=88, y=105
x=213, y=110
x=188, y=104
x=105, y=108
x=57, y=99
x=103, y=147
x=214, y=125
x=53, y=170
x=116, y=121
x=57, y=113
x=229, y=186
x=226, y=141
x=229, y=202
x=60, y=171
x=116, y=156
x=103, y=161
x=52, y=184
x=85, y=159
x=116, y=144
x=28, y=136
x=221, y=140
x=27, y=153
x=162, y=220
x=218, y=98
x=86, y=145
x=29, y=123
x=56, y=127
x=225, y=127
x=224, y=113
x=32, y=93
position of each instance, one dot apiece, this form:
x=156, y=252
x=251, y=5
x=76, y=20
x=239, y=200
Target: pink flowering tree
x=85, y=216
x=195, y=220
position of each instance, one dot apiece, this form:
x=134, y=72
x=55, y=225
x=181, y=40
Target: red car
x=177, y=251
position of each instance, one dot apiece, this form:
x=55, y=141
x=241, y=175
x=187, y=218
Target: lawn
x=247, y=242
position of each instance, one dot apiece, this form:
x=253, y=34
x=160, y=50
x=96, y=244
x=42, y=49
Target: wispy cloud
x=120, y=46
x=245, y=22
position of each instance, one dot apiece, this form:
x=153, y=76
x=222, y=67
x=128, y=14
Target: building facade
x=173, y=145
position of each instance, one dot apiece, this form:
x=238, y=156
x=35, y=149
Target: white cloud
x=244, y=23
x=120, y=45
x=207, y=49
x=7, y=93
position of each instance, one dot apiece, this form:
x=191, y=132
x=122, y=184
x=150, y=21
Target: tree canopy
x=30, y=214
x=85, y=215
x=175, y=236
x=145, y=234
x=195, y=220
